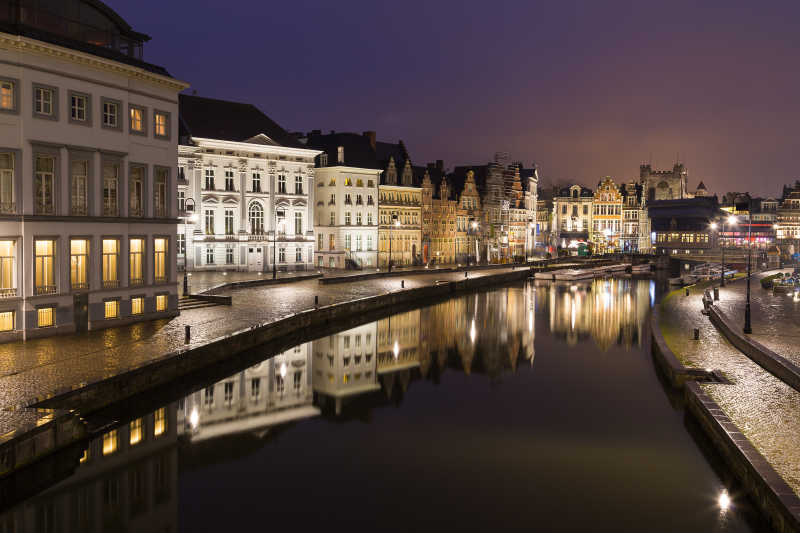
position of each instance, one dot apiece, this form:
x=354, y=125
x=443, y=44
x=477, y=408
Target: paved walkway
x=200, y=281
x=765, y=409
x=775, y=319
x=41, y=367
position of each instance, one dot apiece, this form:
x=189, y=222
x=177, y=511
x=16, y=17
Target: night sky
x=583, y=89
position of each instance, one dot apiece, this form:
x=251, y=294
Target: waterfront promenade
x=42, y=367
x=764, y=408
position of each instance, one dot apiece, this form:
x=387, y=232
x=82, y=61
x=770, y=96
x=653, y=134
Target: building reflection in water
x=127, y=480
x=610, y=311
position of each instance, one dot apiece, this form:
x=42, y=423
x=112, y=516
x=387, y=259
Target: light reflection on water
x=272, y=422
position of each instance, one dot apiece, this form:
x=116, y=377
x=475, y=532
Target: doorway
x=80, y=306
x=255, y=259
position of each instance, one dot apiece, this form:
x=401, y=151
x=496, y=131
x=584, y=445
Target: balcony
x=79, y=285
x=8, y=208
x=44, y=289
x=160, y=279
x=78, y=210
x=110, y=211
x=8, y=292
x=110, y=283
x=44, y=209
x=136, y=281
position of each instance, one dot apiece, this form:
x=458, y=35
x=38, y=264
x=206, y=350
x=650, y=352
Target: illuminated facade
x=245, y=190
x=572, y=216
x=664, y=184
x=788, y=219
x=635, y=235
x=87, y=173
x=607, y=217
x=400, y=222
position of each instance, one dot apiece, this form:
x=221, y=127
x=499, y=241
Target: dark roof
x=358, y=151
x=586, y=192
x=384, y=150
x=688, y=213
x=701, y=186
x=229, y=121
x=85, y=25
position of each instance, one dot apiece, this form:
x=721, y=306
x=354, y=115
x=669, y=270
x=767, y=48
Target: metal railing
x=110, y=283
x=45, y=289
x=8, y=292
x=8, y=207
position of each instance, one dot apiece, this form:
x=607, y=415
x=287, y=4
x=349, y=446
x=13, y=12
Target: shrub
x=766, y=281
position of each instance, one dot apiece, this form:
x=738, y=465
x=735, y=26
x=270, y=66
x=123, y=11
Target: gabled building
x=572, y=216
x=245, y=190
x=684, y=226
x=788, y=217
x=87, y=172
x=607, y=216
x=400, y=206
x=635, y=222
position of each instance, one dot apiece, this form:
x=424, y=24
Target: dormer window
x=340, y=154
x=323, y=160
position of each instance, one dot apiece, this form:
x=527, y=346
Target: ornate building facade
x=400, y=222
x=664, y=184
x=606, y=231
x=245, y=190
x=87, y=173
x=572, y=216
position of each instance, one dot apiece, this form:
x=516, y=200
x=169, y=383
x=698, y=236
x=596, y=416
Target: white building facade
x=87, y=177
x=247, y=205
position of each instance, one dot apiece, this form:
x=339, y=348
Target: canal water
x=535, y=406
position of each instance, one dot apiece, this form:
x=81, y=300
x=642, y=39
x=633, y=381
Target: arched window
x=255, y=217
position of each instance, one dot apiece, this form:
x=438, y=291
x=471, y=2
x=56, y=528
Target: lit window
x=112, y=309
x=161, y=302
x=45, y=317
x=137, y=306
x=160, y=259
x=7, y=89
x=136, y=268
x=136, y=431
x=161, y=123
x=85, y=456
x=160, y=422
x=7, y=321
x=110, y=442
x=110, y=263
x=137, y=120
x=78, y=262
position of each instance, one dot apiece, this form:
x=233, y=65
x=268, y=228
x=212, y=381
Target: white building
x=88, y=134
x=346, y=207
x=245, y=190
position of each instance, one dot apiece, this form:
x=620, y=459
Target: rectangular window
x=209, y=222
x=43, y=101
x=333, y=219
x=161, y=302
x=110, y=263
x=369, y=242
x=208, y=183
x=181, y=201
x=79, y=107
x=78, y=264
x=161, y=124
x=282, y=184
x=44, y=266
x=281, y=255
x=347, y=242
x=298, y=255
x=136, y=261
x=160, y=421
x=298, y=223
x=44, y=182
x=110, y=114
x=209, y=255
x=7, y=200
x=137, y=306
x=229, y=222
x=110, y=443
x=7, y=321
x=332, y=242
x=111, y=308
x=136, y=431
x=358, y=219
x=229, y=256
x=256, y=182
x=79, y=179
x=136, y=186
x=347, y=218
x=208, y=396
x=160, y=259
x=137, y=120
x=229, y=180
x=181, y=243
x=255, y=389
x=319, y=242
x=298, y=184
x=160, y=192
x=228, y=392
x=110, y=182
x=8, y=95
x=45, y=317
x=7, y=277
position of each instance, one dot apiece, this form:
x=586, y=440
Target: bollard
x=316, y=301
x=696, y=334
x=402, y=284
x=687, y=291
x=188, y=330
x=716, y=293
x=465, y=273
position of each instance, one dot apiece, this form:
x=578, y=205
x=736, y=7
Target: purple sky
x=582, y=88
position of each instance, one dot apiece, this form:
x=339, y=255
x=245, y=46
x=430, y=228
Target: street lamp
x=475, y=233
x=747, y=328
x=275, y=247
x=396, y=222
x=191, y=219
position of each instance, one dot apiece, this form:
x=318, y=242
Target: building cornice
x=257, y=148
x=25, y=44
x=343, y=168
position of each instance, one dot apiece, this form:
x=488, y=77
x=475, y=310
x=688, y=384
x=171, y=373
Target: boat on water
x=640, y=269
x=548, y=276
x=573, y=274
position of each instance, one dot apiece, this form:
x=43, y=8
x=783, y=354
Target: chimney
x=372, y=138
x=440, y=165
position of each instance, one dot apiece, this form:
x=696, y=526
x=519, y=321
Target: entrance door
x=255, y=258
x=80, y=311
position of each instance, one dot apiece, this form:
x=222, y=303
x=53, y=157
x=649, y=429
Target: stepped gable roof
x=230, y=121
x=358, y=151
x=458, y=177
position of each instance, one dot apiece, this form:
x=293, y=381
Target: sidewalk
x=200, y=281
x=765, y=409
x=42, y=367
x=775, y=320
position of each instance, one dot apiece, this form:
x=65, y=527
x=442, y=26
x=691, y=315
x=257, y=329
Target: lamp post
x=777, y=244
x=475, y=233
x=747, y=328
x=275, y=247
x=396, y=223
x=191, y=219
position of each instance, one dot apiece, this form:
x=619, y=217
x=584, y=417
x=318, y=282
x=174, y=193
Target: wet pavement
x=42, y=367
x=200, y=281
x=765, y=409
x=775, y=319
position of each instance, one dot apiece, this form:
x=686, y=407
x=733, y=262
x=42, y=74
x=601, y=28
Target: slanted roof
x=701, y=186
x=687, y=213
x=230, y=121
x=357, y=149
